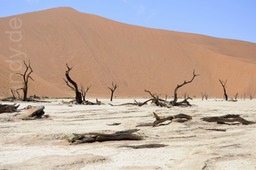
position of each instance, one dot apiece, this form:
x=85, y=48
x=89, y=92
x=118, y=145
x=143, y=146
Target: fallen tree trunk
x=160, y=120
x=227, y=119
x=5, y=108
x=32, y=112
x=101, y=137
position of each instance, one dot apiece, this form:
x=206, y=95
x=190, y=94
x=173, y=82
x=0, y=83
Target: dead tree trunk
x=175, y=100
x=26, y=76
x=74, y=86
x=84, y=92
x=112, y=89
x=223, y=84
x=5, y=108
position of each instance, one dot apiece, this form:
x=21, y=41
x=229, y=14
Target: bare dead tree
x=251, y=97
x=13, y=94
x=204, y=96
x=236, y=96
x=73, y=85
x=175, y=100
x=26, y=76
x=223, y=84
x=85, y=91
x=112, y=89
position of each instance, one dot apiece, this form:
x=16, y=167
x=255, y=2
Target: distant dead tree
x=25, y=77
x=85, y=91
x=185, y=101
x=156, y=100
x=223, y=84
x=112, y=89
x=73, y=85
x=251, y=97
x=236, y=96
x=13, y=94
x=204, y=96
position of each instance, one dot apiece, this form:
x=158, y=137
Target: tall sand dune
x=102, y=51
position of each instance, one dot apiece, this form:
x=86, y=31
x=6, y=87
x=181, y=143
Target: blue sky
x=234, y=19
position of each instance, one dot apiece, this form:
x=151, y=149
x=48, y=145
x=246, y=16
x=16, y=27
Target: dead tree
x=84, y=92
x=223, y=84
x=204, y=96
x=185, y=101
x=236, y=96
x=112, y=89
x=73, y=85
x=26, y=76
x=13, y=94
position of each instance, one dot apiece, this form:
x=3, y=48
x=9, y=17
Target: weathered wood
x=226, y=119
x=32, y=112
x=160, y=120
x=101, y=137
x=5, y=108
x=157, y=101
x=147, y=146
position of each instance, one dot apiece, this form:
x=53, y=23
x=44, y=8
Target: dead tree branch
x=157, y=101
x=84, y=92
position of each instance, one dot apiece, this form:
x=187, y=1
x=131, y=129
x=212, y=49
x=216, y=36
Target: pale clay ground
x=42, y=144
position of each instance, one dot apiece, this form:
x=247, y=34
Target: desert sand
x=136, y=58
x=42, y=144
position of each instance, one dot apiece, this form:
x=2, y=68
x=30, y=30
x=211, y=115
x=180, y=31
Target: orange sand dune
x=136, y=58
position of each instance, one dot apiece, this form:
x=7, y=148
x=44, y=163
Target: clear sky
x=235, y=19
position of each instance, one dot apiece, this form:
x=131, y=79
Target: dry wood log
x=87, y=102
x=227, y=119
x=179, y=118
x=5, y=108
x=160, y=120
x=32, y=112
x=147, y=146
x=101, y=137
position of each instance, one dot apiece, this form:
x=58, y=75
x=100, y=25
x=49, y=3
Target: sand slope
x=102, y=51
